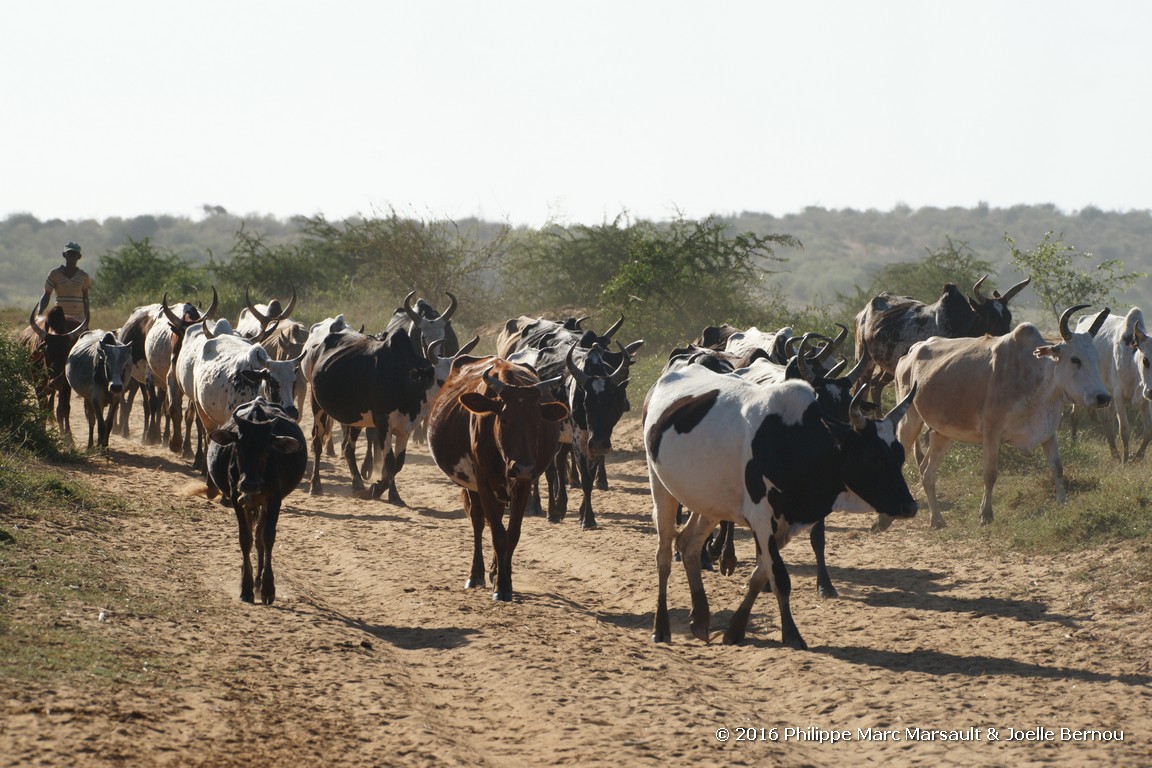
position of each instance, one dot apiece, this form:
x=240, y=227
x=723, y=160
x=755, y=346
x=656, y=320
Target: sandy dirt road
x=375, y=655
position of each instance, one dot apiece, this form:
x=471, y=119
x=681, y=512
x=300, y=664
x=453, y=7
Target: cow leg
x=587, y=516
x=369, y=462
x=690, y=542
x=992, y=472
x=129, y=398
x=938, y=445
x=155, y=406
x=89, y=414
x=1121, y=410
x=1052, y=451
x=110, y=422
x=601, y=475
x=64, y=414
x=393, y=463
x=503, y=592
x=475, y=512
x=908, y=432
x=268, y=521
x=777, y=575
x=664, y=516
x=320, y=428
x=245, y=530
x=824, y=586
x=175, y=416
x=1146, y=419
x=728, y=550
x=1111, y=418
x=351, y=434
x=558, y=484
x=533, y=508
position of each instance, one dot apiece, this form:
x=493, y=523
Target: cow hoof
x=827, y=592
x=268, y=599
x=394, y=498
x=661, y=638
x=587, y=525
x=940, y=524
x=796, y=643
x=503, y=597
x=728, y=566
x=732, y=637
x=985, y=520
x=248, y=598
x=555, y=518
x=701, y=632
x=474, y=583
x=601, y=485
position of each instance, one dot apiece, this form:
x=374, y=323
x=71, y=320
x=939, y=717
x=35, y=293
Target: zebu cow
x=536, y=332
x=425, y=325
x=162, y=347
x=891, y=324
x=255, y=318
x=1125, y=354
x=97, y=368
x=134, y=333
x=762, y=456
x=49, y=339
x=195, y=336
x=361, y=381
x=231, y=370
x=492, y=432
x=257, y=458
x=997, y=389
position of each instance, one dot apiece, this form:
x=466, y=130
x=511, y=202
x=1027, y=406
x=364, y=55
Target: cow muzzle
x=1102, y=400
x=520, y=471
x=116, y=389
x=906, y=510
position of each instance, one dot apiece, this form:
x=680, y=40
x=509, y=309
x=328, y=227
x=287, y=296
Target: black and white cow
x=257, y=458
x=98, y=367
x=425, y=325
x=891, y=324
x=761, y=456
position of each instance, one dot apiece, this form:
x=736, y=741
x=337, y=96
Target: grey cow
x=97, y=369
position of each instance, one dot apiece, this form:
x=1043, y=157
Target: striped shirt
x=69, y=291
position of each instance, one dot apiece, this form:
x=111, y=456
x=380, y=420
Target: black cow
x=363, y=381
x=49, y=340
x=257, y=458
x=425, y=325
x=890, y=325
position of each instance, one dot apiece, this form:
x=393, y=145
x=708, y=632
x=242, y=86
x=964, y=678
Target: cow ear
x=286, y=444
x=252, y=377
x=477, y=403
x=1052, y=351
x=222, y=436
x=554, y=411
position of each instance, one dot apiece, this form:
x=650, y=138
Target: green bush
x=22, y=423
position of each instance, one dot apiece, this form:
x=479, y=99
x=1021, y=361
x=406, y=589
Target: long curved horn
x=291, y=304
x=548, y=385
x=834, y=371
x=834, y=345
x=901, y=408
x=1099, y=321
x=252, y=308
x=471, y=345
x=168, y=313
x=408, y=308
x=580, y=321
x=620, y=375
x=976, y=290
x=855, y=412
x=496, y=385
x=1064, y=332
x=212, y=307
x=447, y=314
x=857, y=369
x=802, y=361
x=1015, y=290
x=431, y=353
x=208, y=334
x=32, y=323
x=268, y=331
x=577, y=374
x=615, y=327
x=75, y=332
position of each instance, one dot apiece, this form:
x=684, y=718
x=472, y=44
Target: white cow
x=1125, y=353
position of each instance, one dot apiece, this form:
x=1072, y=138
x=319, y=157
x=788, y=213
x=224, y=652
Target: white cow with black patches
x=764, y=457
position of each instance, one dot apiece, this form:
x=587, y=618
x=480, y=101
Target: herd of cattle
x=746, y=427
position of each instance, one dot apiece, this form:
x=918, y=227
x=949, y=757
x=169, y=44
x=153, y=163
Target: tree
x=1060, y=282
x=140, y=269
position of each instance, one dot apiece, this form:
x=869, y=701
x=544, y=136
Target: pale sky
x=526, y=110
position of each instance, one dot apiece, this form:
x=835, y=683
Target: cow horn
x=168, y=313
x=408, y=308
x=269, y=329
x=1015, y=290
x=855, y=412
x=496, y=385
x=901, y=408
x=75, y=332
x=32, y=323
x=580, y=321
x=976, y=290
x=548, y=385
x=620, y=375
x=1099, y=321
x=291, y=304
x=579, y=375
x=834, y=345
x=1065, y=333
x=431, y=353
x=615, y=327
x=834, y=371
x=471, y=345
x=207, y=331
x=857, y=369
x=447, y=314
x=802, y=361
x=212, y=307
x=252, y=308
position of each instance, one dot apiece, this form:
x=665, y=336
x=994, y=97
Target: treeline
x=670, y=277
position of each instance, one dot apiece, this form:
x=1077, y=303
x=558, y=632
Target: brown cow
x=492, y=432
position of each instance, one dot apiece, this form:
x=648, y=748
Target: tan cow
x=996, y=389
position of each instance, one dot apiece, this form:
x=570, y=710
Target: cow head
x=113, y=365
x=1077, y=373
x=278, y=377
x=252, y=435
x=272, y=312
x=187, y=316
x=55, y=342
x=993, y=315
x=833, y=393
x=432, y=325
x=520, y=413
x=598, y=396
x=1141, y=346
x=872, y=459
